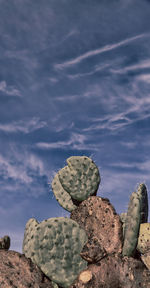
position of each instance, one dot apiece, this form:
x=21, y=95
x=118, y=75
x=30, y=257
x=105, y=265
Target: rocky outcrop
x=99, y=219
x=17, y=271
x=114, y=271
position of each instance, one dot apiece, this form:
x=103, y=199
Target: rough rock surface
x=99, y=219
x=114, y=271
x=17, y=271
x=92, y=251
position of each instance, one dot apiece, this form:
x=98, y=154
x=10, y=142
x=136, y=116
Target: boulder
x=17, y=271
x=114, y=271
x=98, y=218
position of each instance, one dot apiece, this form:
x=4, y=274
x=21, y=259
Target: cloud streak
x=18, y=167
x=76, y=141
x=23, y=126
x=9, y=90
x=99, y=51
x=145, y=64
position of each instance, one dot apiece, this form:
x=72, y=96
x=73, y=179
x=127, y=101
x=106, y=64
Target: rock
x=146, y=259
x=92, y=251
x=114, y=271
x=17, y=271
x=5, y=242
x=99, y=219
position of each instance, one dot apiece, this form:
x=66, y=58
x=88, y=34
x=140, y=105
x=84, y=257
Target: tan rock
x=92, y=251
x=146, y=259
x=114, y=271
x=99, y=219
x=17, y=271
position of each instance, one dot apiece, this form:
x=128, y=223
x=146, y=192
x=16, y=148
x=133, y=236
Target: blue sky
x=74, y=80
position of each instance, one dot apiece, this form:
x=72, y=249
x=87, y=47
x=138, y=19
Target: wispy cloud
x=96, y=69
x=112, y=123
x=68, y=35
x=130, y=145
x=133, y=107
x=18, y=167
x=10, y=170
x=144, y=77
x=95, y=52
x=9, y=90
x=53, y=80
x=76, y=141
x=23, y=126
x=144, y=64
x=118, y=186
x=142, y=166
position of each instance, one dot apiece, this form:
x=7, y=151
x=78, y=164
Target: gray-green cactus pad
x=54, y=285
x=61, y=195
x=142, y=193
x=132, y=225
x=55, y=247
x=80, y=179
x=28, y=240
x=123, y=220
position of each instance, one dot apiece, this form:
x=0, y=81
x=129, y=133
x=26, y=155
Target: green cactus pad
x=28, y=240
x=144, y=238
x=132, y=225
x=55, y=248
x=123, y=217
x=123, y=220
x=61, y=195
x=142, y=193
x=137, y=213
x=54, y=285
x=77, y=181
x=80, y=178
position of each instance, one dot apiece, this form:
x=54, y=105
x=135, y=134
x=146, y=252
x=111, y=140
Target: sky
x=74, y=81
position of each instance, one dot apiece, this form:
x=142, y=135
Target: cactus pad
x=55, y=246
x=137, y=213
x=61, y=195
x=77, y=181
x=142, y=193
x=123, y=220
x=132, y=225
x=144, y=238
x=28, y=240
x=5, y=242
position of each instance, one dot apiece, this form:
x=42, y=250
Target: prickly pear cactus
x=123, y=220
x=144, y=238
x=63, y=198
x=5, y=242
x=56, y=244
x=136, y=214
x=28, y=241
x=54, y=285
x=132, y=225
x=142, y=193
x=77, y=181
